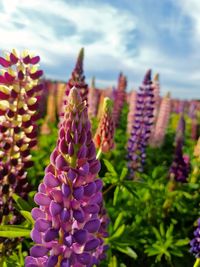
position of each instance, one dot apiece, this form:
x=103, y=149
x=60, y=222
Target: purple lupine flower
x=180, y=166
x=19, y=89
x=104, y=136
x=93, y=100
x=142, y=126
x=120, y=96
x=77, y=79
x=70, y=223
x=195, y=242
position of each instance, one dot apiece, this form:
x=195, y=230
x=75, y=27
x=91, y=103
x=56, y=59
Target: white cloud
x=104, y=31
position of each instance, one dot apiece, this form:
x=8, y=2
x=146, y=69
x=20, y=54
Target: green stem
x=197, y=263
x=99, y=153
x=108, y=189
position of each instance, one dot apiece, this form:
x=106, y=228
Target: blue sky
x=127, y=35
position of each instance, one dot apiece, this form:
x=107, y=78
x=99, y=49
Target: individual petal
x=80, y=236
x=38, y=251
x=55, y=208
x=50, y=235
x=42, y=199
x=37, y=213
x=50, y=180
x=84, y=258
x=92, y=244
x=42, y=225
x=92, y=226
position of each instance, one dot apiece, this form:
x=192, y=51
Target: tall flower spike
x=78, y=79
x=132, y=109
x=70, y=223
x=19, y=88
x=180, y=167
x=51, y=107
x=158, y=135
x=141, y=130
x=60, y=91
x=120, y=96
x=196, y=171
x=195, y=242
x=104, y=137
x=93, y=100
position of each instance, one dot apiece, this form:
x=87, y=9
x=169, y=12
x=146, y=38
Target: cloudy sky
x=118, y=35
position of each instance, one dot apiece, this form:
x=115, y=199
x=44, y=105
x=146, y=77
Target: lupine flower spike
x=104, y=137
x=180, y=167
x=158, y=134
x=70, y=223
x=60, y=92
x=93, y=100
x=77, y=79
x=141, y=130
x=119, y=98
x=196, y=171
x=195, y=242
x=132, y=111
x=19, y=87
x=51, y=108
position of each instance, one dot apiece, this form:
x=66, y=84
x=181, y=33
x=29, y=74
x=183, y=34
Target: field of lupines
x=92, y=177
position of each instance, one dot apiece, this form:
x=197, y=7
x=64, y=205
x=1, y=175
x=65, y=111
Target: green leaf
x=130, y=189
x=113, y=262
x=123, y=173
x=162, y=231
x=197, y=263
x=182, y=242
x=13, y=231
x=118, y=232
x=21, y=203
x=169, y=231
x=110, y=167
x=118, y=221
x=27, y=215
x=128, y=251
x=116, y=192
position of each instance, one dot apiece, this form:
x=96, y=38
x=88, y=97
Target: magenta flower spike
x=93, y=100
x=132, y=111
x=70, y=223
x=119, y=98
x=19, y=89
x=157, y=137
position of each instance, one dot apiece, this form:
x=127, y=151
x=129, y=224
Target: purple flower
x=180, y=167
x=195, y=242
x=70, y=221
x=141, y=127
x=77, y=80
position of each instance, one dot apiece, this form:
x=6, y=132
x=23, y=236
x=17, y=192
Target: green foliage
x=150, y=224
